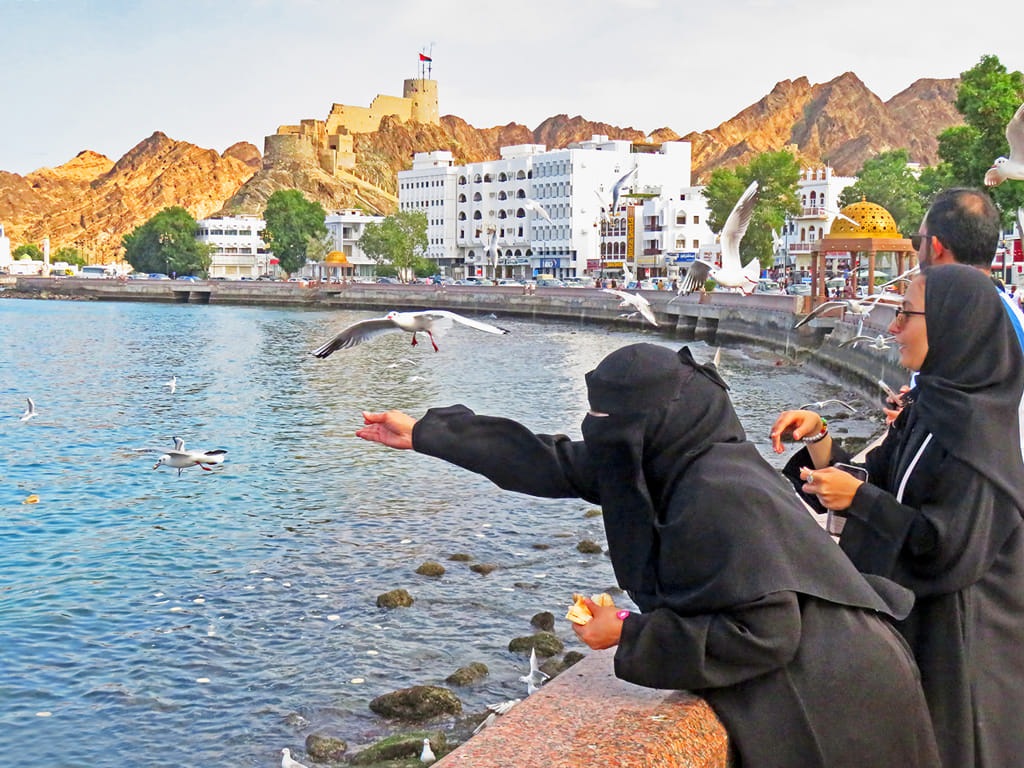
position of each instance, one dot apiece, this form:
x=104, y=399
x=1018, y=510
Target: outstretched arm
x=391, y=428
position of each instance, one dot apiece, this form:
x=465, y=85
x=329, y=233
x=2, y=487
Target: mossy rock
x=396, y=598
x=469, y=674
x=430, y=568
x=589, y=547
x=322, y=748
x=460, y=557
x=593, y=513
x=401, y=746
x=420, y=702
x=545, y=620
x=545, y=643
x=542, y=546
x=483, y=568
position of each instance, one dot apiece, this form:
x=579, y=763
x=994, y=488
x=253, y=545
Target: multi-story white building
x=346, y=259
x=574, y=186
x=5, y=249
x=819, y=190
x=239, y=251
x=430, y=187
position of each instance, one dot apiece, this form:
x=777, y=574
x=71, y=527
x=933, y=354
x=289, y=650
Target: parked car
x=799, y=289
x=388, y=280
x=158, y=276
x=768, y=286
x=550, y=282
x=508, y=281
x=191, y=278
x=578, y=282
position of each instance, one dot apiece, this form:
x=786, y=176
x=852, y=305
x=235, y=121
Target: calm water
x=217, y=617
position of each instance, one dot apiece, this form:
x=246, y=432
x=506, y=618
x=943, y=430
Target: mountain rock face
x=92, y=201
x=840, y=122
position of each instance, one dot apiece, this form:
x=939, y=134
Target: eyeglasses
x=917, y=238
x=902, y=315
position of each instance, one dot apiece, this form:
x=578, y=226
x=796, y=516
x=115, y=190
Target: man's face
x=924, y=250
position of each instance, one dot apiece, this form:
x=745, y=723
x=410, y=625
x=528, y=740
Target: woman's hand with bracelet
x=806, y=426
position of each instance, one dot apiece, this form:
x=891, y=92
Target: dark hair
x=966, y=221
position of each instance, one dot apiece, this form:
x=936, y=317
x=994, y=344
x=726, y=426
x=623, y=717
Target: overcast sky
x=104, y=74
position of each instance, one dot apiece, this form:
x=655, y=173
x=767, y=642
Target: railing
x=799, y=247
x=819, y=212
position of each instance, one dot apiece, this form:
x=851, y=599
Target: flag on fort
x=425, y=58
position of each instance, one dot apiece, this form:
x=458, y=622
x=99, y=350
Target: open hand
x=391, y=428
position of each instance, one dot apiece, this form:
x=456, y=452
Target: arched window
x=462, y=179
x=521, y=194
x=477, y=216
x=477, y=197
x=681, y=219
x=520, y=214
x=813, y=198
x=821, y=233
x=604, y=249
x=502, y=195
x=501, y=214
x=502, y=176
x=477, y=178
x=462, y=197
x=803, y=234
x=462, y=215
x=521, y=175
x=487, y=178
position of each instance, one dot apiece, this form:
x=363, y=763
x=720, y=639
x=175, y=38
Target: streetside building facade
x=239, y=250
x=818, y=190
x=430, y=187
x=346, y=259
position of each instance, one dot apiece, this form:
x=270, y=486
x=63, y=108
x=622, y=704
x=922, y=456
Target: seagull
x=617, y=189
x=287, y=761
x=31, y=411
x=877, y=342
x=822, y=403
x=635, y=300
x=173, y=383
x=495, y=710
x=180, y=459
x=1011, y=167
x=841, y=215
x=859, y=308
x=731, y=274
x=429, y=321
x=427, y=755
x=537, y=208
x=492, y=248
x=535, y=673
x=777, y=241
x=628, y=278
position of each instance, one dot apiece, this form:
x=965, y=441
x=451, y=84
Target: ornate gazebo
x=861, y=228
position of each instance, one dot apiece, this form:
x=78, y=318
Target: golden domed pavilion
x=860, y=232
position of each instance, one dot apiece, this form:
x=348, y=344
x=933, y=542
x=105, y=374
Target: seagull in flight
x=822, y=403
x=841, y=215
x=617, y=189
x=537, y=208
x=731, y=274
x=860, y=308
x=495, y=710
x=535, y=674
x=1011, y=167
x=881, y=341
x=287, y=761
x=635, y=300
x=180, y=459
x=30, y=412
x=429, y=321
x=492, y=248
x=173, y=384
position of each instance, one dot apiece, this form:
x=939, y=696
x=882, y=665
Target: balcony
x=817, y=213
x=652, y=251
x=799, y=247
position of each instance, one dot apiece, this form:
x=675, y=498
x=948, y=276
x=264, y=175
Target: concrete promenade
x=586, y=716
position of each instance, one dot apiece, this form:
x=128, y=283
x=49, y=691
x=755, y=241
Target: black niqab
x=696, y=520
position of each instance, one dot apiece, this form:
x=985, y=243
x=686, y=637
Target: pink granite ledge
x=586, y=716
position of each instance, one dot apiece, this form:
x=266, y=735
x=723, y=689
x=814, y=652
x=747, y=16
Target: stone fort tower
x=329, y=142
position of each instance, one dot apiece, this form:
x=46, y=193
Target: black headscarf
x=969, y=389
x=696, y=520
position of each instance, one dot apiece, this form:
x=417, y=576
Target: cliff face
x=92, y=201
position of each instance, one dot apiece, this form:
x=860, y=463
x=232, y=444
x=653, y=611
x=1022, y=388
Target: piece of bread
x=578, y=611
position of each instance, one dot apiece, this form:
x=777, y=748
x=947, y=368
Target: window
x=696, y=219
x=477, y=197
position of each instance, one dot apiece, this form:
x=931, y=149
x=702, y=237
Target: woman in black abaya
x=743, y=597
x=941, y=511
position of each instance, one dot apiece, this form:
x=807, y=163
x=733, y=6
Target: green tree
x=988, y=98
x=70, y=255
x=27, y=251
x=399, y=240
x=777, y=174
x=887, y=181
x=167, y=243
x=291, y=221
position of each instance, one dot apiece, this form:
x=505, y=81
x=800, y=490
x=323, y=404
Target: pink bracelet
x=621, y=615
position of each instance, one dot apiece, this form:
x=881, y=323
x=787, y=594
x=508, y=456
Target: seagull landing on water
x=180, y=459
x=287, y=761
x=173, y=384
x=427, y=755
x=30, y=412
x=636, y=301
x=429, y=321
x=1011, y=167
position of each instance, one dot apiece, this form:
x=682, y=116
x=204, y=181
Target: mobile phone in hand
x=891, y=395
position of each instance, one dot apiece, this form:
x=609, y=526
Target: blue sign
x=682, y=257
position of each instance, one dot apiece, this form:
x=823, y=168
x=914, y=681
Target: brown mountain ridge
x=92, y=202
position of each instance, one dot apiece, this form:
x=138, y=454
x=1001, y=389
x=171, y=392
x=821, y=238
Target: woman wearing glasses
x=941, y=512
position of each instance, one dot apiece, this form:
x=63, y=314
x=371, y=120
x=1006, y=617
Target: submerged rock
x=545, y=643
x=483, y=568
x=322, y=748
x=401, y=746
x=593, y=513
x=589, y=547
x=467, y=675
x=545, y=620
x=420, y=702
x=396, y=598
x=460, y=557
x=430, y=568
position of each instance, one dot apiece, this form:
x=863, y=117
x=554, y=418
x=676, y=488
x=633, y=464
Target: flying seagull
x=287, y=761
x=1011, y=167
x=635, y=300
x=822, y=403
x=841, y=215
x=494, y=711
x=30, y=412
x=731, y=274
x=180, y=459
x=173, y=384
x=880, y=341
x=617, y=189
x=535, y=677
x=492, y=248
x=429, y=321
x=537, y=208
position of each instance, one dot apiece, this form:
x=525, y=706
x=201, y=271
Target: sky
x=105, y=74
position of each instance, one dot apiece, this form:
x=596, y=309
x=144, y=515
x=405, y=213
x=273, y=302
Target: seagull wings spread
x=736, y=226
x=356, y=334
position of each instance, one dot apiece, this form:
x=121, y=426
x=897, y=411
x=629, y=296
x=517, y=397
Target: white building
x=5, y=249
x=346, y=260
x=573, y=185
x=819, y=190
x=239, y=251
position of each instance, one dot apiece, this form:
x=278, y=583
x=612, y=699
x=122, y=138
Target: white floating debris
x=373, y=653
x=405, y=541
x=322, y=597
x=507, y=589
x=44, y=714
x=267, y=578
x=357, y=680
x=202, y=679
x=158, y=594
x=286, y=583
x=199, y=600
x=176, y=609
x=333, y=617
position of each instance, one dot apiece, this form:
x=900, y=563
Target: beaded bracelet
x=817, y=437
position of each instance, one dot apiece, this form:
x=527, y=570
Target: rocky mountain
x=92, y=201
